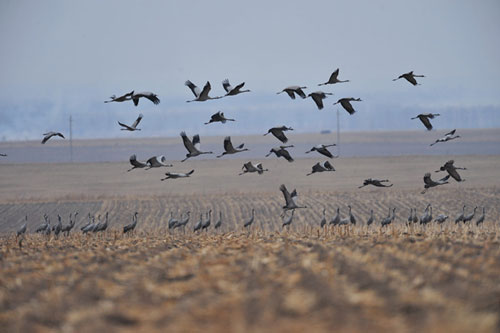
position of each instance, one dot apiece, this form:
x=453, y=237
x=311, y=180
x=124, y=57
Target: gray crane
x=323, y=150
x=481, y=218
x=206, y=223
x=23, y=228
x=336, y=218
x=323, y=220
x=101, y=227
x=333, y=79
x=230, y=91
x=132, y=127
x=198, y=224
x=425, y=219
x=145, y=94
x=200, y=95
x=67, y=228
x=460, y=217
x=431, y=183
x=287, y=221
x=175, y=175
x=4, y=155
x=410, y=77
x=424, y=216
x=452, y=170
x=278, y=132
x=388, y=219
x=157, y=162
x=172, y=222
x=352, y=218
x=290, y=199
x=441, y=218
x=318, y=97
x=281, y=152
x=321, y=168
x=346, y=103
x=89, y=221
x=48, y=135
x=250, y=221
x=123, y=98
x=193, y=147
x=249, y=167
x=131, y=226
x=218, y=224
x=425, y=119
x=229, y=148
x=410, y=217
x=447, y=137
x=375, y=182
x=469, y=217
x=136, y=164
x=90, y=227
x=371, y=218
x=182, y=223
x=58, y=227
x=218, y=117
x=44, y=226
x=292, y=90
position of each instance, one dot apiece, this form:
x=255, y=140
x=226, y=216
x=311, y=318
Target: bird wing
x=300, y=92
x=247, y=166
x=317, y=168
x=333, y=77
x=227, y=86
x=347, y=106
x=136, y=163
x=444, y=179
x=228, y=146
x=290, y=93
x=205, y=91
x=454, y=174
x=286, y=194
x=137, y=121
x=409, y=77
x=152, y=97
x=450, y=133
x=187, y=143
x=318, y=100
x=47, y=137
x=425, y=120
x=278, y=133
x=196, y=91
x=126, y=126
x=286, y=155
x=328, y=166
x=238, y=87
x=153, y=162
x=427, y=179
x=196, y=141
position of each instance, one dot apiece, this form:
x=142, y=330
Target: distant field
x=263, y=279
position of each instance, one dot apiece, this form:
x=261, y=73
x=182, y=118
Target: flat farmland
x=356, y=278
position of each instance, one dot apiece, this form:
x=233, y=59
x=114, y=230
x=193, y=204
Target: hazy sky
x=66, y=57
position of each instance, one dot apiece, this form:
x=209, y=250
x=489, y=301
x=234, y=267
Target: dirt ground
x=437, y=278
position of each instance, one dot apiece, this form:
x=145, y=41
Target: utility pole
x=338, y=132
x=71, y=139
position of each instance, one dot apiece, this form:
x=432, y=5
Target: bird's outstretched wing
x=196, y=141
x=427, y=179
x=300, y=92
x=286, y=194
x=187, y=143
x=205, y=91
x=227, y=86
x=280, y=135
x=450, y=133
x=318, y=100
x=136, y=163
x=228, y=146
x=126, y=126
x=196, y=91
x=329, y=166
x=334, y=76
x=409, y=77
x=137, y=121
x=427, y=123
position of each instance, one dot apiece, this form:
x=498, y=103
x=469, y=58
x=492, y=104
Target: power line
x=71, y=139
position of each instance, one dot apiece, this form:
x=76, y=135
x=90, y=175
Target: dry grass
x=341, y=279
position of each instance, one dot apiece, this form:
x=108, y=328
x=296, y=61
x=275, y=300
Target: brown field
x=265, y=279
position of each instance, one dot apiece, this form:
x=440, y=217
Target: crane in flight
x=200, y=95
x=333, y=79
x=410, y=77
x=132, y=127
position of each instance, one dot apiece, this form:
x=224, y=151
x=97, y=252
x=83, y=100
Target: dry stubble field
x=356, y=279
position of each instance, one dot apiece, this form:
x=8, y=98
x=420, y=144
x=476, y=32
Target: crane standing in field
x=333, y=79
x=480, y=220
x=336, y=218
x=469, y=217
x=460, y=217
x=218, y=224
x=322, y=223
x=250, y=221
x=23, y=228
x=131, y=227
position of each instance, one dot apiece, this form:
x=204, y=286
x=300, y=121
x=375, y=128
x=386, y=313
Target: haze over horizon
x=60, y=59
